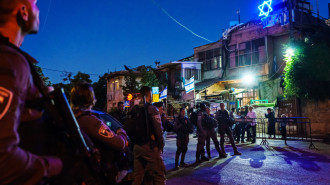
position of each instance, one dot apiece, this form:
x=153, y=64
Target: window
x=251, y=52
x=216, y=63
x=201, y=56
x=209, y=54
x=233, y=56
x=211, y=59
x=258, y=51
x=192, y=72
x=250, y=94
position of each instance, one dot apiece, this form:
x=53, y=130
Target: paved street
x=276, y=164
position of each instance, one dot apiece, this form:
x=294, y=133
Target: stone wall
x=319, y=114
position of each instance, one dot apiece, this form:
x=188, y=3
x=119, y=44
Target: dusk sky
x=100, y=36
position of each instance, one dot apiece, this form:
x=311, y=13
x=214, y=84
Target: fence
x=293, y=128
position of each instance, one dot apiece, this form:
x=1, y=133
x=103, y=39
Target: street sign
x=126, y=104
x=155, y=98
x=155, y=90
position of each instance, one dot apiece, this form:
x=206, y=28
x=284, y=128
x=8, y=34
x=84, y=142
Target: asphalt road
x=276, y=163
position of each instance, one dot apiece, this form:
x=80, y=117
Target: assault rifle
x=57, y=108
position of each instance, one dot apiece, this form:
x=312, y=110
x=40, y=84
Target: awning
x=219, y=93
x=200, y=86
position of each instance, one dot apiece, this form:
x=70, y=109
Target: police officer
x=222, y=116
x=210, y=124
x=182, y=128
x=82, y=101
x=148, y=160
x=201, y=135
x=19, y=18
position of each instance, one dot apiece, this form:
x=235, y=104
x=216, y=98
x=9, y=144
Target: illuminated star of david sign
x=265, y=8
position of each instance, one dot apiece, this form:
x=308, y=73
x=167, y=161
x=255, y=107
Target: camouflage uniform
x=18, y=166
x=224, y=128
x=209, y=125
x=148, y=160
x=201, y=137
x=182, y=127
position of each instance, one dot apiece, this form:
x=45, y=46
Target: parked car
x=114, y=124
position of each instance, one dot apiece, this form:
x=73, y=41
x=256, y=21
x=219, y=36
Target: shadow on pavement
x=305, y=159
x=208, y=168
x=256, y=157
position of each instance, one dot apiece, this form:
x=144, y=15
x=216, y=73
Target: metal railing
x=295, y=128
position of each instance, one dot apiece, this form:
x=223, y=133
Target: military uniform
x=224, y=128
x=99, y=131
x=148, y=161
x=182, y=127
x=201, y=137
x=109, y=144
x=18, y=166
x=210, y=124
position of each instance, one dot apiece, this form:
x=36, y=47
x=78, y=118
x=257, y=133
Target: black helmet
x=202, y=106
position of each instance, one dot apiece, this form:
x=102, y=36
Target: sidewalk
x=276, y=163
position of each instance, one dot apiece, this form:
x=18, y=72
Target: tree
x=308, y=68
x=148, y=77
x=42, y=76
x=81, y=77
x=131, y=84
x=100, y=90
x=69, y=81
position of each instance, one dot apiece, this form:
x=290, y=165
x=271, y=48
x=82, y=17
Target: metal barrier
x=295, y=128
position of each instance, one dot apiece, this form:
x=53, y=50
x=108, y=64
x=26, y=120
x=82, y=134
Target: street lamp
x=248, y=79
x=289, y=53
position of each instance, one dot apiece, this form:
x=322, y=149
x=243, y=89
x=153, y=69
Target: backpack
x=138, y=125
x=193, y=118
x=209, y=122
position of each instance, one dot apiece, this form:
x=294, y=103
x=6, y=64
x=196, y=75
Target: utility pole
x=239, y=16
x=290, y=18
x=318, y=10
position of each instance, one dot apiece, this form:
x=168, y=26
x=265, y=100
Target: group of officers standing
x=206, y=125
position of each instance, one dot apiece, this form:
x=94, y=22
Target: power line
x=163, y=10
x=48, y=10
x=55, y=70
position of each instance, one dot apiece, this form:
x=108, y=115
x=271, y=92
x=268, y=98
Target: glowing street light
x=248, y=79
x=289, y=53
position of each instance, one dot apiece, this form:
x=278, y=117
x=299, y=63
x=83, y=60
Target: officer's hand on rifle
x=122, y=132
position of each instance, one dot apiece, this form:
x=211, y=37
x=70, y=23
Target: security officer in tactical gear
x=210, y=123
x=222, y=116
x=201, y=135
x=19, y=18
x=182, y=128
x=108, y=142
x=149, y=166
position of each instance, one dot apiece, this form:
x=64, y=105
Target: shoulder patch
x=5, y=100
x=105, y=132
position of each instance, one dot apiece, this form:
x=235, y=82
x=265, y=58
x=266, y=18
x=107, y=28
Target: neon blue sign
x=265, y=8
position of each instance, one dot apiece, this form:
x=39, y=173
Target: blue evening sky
x=99, y=36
